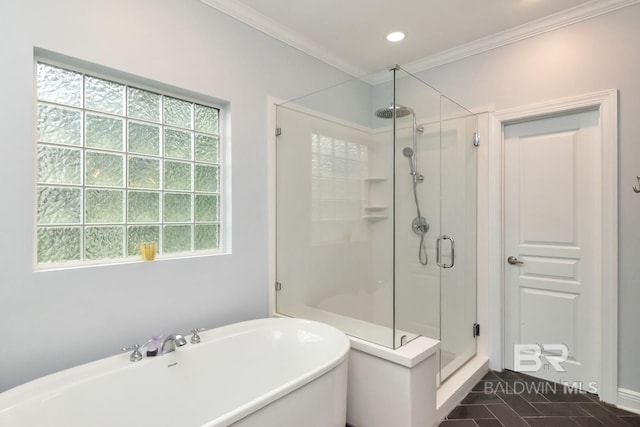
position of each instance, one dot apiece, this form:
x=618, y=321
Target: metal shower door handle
x=438, y=251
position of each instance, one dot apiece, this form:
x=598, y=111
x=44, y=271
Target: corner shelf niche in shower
x=375, y=179
x=374, y=213
x=373, y=209
x=374, y=217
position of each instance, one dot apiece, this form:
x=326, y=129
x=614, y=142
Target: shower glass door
x=435, y=222
x=376, y=213
x=458, y=244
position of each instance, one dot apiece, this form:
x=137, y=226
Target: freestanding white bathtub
x=260, y=373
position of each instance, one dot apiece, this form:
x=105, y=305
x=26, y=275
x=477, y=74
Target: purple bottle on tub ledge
x=154, y=346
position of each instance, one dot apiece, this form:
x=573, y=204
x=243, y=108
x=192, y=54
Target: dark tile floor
x=512, y=399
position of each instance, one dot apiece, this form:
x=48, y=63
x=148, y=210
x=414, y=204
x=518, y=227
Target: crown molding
x=531, y=29
x=263, y=23
x=553, y=22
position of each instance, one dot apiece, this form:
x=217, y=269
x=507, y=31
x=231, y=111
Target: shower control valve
x=420, y=226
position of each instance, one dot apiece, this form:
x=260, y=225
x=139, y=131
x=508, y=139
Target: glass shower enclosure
x=376, y=213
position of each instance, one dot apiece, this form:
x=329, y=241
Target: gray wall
x=56, y=319
x=597, y=54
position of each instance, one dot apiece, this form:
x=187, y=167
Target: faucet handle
x=195, y=338
x=136, y=355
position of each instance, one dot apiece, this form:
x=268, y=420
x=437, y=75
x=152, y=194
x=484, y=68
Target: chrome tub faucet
x=171, y=342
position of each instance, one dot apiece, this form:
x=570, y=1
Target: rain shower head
x=387, y=112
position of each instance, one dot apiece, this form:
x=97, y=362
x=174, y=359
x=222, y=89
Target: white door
x=553, y=236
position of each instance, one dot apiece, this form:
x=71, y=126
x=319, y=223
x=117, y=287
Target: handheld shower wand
x=413, y=164
x=408, y=153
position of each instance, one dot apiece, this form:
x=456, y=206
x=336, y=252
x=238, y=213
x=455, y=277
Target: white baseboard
x=629, y=400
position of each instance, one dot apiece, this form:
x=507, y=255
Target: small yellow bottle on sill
x=148, y=250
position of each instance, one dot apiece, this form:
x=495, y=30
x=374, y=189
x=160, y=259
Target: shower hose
x=422, y=250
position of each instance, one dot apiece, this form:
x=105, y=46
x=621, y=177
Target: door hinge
x=476, y=139
x=278, y=131
x=476, y=330
x=278, y=286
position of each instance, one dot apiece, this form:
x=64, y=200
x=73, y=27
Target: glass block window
x=337, y=169
x=119, y=165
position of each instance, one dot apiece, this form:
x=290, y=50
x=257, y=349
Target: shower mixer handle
x=420, y=226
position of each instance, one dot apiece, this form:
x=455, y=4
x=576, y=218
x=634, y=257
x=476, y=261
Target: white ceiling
x=351, y=34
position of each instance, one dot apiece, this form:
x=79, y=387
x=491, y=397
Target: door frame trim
x=607, y=104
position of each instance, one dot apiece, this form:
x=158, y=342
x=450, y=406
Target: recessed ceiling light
x=396, y=36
